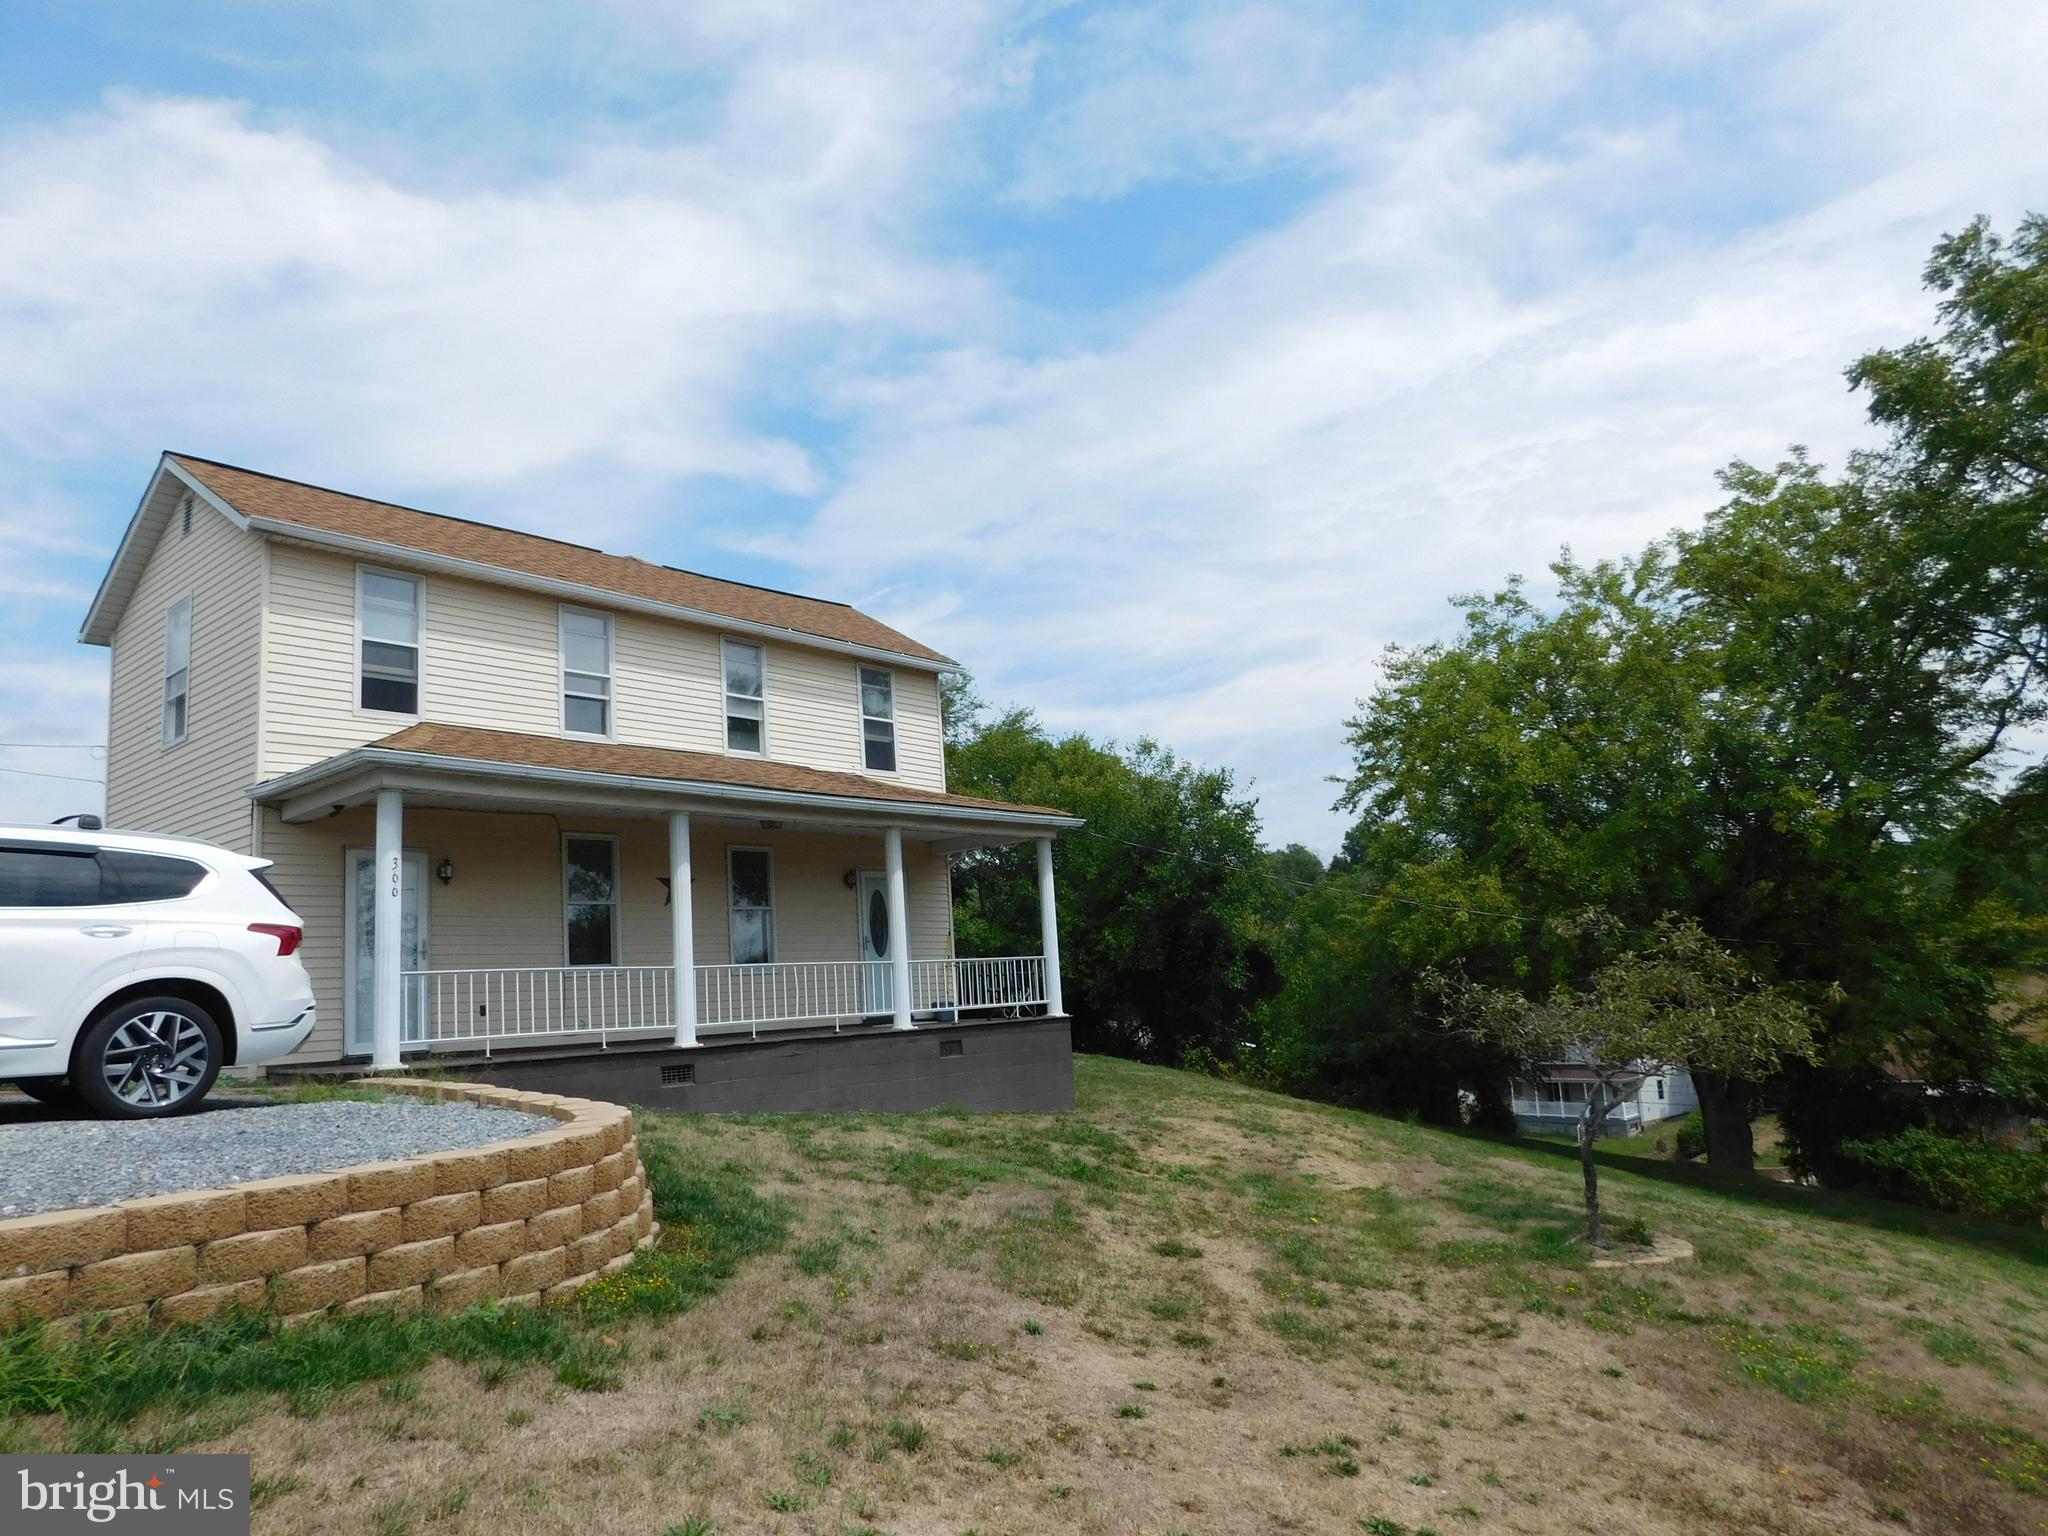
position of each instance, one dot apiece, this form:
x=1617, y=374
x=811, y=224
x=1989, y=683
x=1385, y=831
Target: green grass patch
x=1951, y=1343
x=1046, y=1254
x=1302, y=1334
x=907, y=1435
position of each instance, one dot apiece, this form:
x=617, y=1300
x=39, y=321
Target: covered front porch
x=481, y=907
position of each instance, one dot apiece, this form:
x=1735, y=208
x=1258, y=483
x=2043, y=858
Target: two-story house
x=522, y=791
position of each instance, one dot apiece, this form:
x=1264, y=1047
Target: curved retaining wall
x=525, y=1221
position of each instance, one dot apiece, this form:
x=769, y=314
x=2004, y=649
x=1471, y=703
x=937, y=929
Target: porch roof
x=459, y=752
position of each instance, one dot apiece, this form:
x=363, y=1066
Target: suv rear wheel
x=148, y=1057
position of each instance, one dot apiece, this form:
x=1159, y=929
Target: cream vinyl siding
x=192, y=789
x=503, y=909
x=491, y=657
x=488, y=657
x=670, y=686
x=814, y=717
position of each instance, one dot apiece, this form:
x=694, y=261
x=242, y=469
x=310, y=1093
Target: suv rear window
x=149, y=876
x=49, y=877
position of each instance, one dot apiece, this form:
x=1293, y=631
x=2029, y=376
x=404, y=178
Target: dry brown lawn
x=1192, y=1307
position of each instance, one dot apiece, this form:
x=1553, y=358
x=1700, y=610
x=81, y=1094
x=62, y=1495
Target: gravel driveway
x=52, y=1163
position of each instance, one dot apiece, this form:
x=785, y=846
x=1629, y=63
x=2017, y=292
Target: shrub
x=1955, y=1173
x=1692, y=1136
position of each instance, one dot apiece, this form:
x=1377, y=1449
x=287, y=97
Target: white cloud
x=1553, y=275
x=165, y=265
x=1207, y=530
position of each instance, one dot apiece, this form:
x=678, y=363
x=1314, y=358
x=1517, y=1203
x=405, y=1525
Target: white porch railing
x=731, y=997
x=1012, y=981
x=1565, y=1111
x=474, y=1007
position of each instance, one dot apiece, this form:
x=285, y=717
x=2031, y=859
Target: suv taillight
x=286, y=935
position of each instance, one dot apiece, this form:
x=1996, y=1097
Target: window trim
x=860, y=705
x=611, y=672
x=419, y=649
x=617, y=903
x=164, y=737
x=774, y=928
x=726, y=696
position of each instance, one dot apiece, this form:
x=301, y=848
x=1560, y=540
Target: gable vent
x=685, y=1073
x=952, y=1047
x=184, y=517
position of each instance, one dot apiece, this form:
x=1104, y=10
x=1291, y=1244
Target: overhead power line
x=34, y=774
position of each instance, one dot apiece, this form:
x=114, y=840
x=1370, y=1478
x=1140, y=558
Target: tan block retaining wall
x=521, y=1221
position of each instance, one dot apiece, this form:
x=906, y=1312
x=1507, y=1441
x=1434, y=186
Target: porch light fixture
x=445, y=871
x=852, y=878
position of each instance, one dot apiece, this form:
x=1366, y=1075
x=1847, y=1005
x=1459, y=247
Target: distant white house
x=1552, y=1098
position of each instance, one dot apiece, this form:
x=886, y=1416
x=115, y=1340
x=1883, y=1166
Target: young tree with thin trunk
x=1681, y=1000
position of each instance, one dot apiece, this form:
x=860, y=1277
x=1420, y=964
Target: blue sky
x=1164, y=363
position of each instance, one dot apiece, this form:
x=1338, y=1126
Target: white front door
x=878, y=990
x=412, y=947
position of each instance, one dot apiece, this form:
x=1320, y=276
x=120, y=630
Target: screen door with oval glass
x=878, y=989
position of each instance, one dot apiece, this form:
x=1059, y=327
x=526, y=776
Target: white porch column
x=899, y=926
x=679, y=916
x=1049, y=929
x=387, y=991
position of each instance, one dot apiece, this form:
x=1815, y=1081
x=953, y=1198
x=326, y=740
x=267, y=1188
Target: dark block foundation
x=1024, y=1064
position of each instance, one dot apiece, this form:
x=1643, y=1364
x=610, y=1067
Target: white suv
x=133, y=968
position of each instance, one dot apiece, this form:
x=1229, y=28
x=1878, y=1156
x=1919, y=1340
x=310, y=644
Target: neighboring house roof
x=455, y=746
x=293, y=509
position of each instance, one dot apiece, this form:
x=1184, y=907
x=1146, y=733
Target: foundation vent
x=686, y=1072
x=952, y=1047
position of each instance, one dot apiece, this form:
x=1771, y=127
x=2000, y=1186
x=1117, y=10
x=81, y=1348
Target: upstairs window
x=751, y=876
x=745, y=713
x=388, y=630
x=586, y=673
x=177, y=669
x=878, y=719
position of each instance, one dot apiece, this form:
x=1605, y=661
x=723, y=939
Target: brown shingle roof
x=476, y=745
x=314, y=508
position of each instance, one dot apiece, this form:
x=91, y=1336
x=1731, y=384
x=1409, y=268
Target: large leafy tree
x=1532, y=767
x=1773, y=725
x=1162, y=899
x=1354, y=1022
x=1968, y=413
